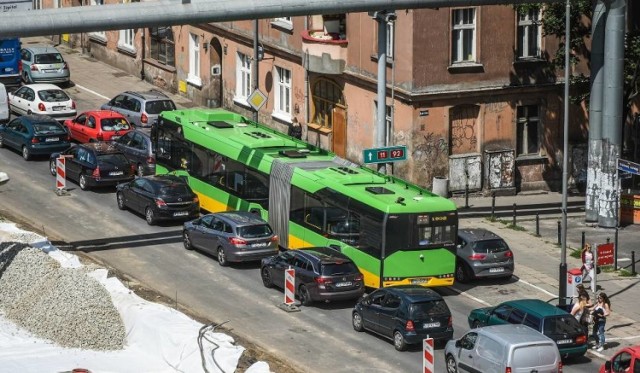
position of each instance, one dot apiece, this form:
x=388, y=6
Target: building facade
x=470, y=91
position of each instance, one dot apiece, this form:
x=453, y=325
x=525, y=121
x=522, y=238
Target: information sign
x=385, y=155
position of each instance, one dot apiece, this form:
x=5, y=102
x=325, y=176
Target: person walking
x=582, y=291
x=581, y=311
x=600, y=311
x=588, y=266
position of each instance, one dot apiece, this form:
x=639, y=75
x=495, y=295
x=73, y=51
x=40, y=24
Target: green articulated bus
x=395, y=232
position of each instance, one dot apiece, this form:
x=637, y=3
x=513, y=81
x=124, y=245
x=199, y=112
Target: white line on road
x=537, y=287
x=92, y=91
x=470, y=296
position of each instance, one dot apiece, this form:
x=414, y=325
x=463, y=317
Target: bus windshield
x=420, y=231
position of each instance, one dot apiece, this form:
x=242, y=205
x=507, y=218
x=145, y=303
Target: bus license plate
x=418, y=280
x=431, y=325
x=494, y=270
x=343, y=284
x=564, y=341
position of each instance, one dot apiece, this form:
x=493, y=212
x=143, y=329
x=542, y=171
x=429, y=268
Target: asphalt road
x=317, y=339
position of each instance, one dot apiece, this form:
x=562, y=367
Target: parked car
x=140, y=151
x=44, y=64
x=97, y=125
x=502, y=348
x=34, y=135
x=236, y=236
x=140, y=108
x=95, y=164
x=625, y=360
x=162, y=197
x=4, y=105
x=546, y=318
x=321, y=274
x=45, y=99
x=406, y=314
x=482, y=254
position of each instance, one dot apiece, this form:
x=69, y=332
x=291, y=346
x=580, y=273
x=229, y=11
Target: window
x=37, y=4
x=326, y=94
x=529, y=34
x=282, y=107
x=463, y=40
x=528, y=123
x=162, y=47
x=243, y=77
x=388, y=122
x=127, y=37
x=98, y=34
x=194, y=60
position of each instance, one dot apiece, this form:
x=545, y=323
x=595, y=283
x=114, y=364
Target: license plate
x=116, y=173
x=494, y=270
x=418, y=280
x=115, y=137
x=261, y=244
x=52, y=139
x=49, y=70
x=58, y=108
x=343, y=284
x=181, y=213
x=429, y=325
x=564, y=341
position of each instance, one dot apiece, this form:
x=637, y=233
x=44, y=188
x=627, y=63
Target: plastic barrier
x=428, y=356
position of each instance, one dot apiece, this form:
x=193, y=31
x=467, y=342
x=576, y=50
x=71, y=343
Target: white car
x=46, y=99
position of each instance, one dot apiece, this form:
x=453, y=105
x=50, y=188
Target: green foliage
x=625, y=273
x=576, y=253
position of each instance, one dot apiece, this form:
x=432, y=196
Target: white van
x=503, y=348
x=4, y=105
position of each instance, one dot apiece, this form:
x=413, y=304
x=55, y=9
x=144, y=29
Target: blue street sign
x=385, y=155
x=628, y=166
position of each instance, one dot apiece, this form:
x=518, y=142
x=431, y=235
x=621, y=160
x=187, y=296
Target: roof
x=101, y=147
x=240, y=217
x=477, y=234
x=40, y=49
x=514, y=333
x=43, y=86
x=324, y=254
x=415, y=293
x=537, y=307
x=165, y=179
x=104, y=113
x=149, y=95
x=37, y=118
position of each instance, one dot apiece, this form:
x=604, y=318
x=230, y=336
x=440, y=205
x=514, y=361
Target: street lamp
x=565, y=159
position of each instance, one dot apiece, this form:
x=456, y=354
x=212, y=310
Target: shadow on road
x=110, y=243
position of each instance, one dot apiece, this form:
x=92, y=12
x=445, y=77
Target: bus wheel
x=222, y=257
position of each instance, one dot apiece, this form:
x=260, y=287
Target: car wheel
x=149, y=216
x=186, y=241
x=398, y=341
x=52, y=167
x=222, y=257
x=120, y=200
x=26, y=154
x=139, y=170
x=267, y=281
x=1, y=141
x=305, y=296
x=356, y=321
x=83, y=182
x=451, y=365
x=461, y=273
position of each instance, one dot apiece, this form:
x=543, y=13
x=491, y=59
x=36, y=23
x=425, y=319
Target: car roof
x=514, y=333
x=101, y=147
x=37, y=118
x=414, y=293
x=40, y=49
x=323, y=254
x=537, y=307
x=163, y=180
x=42, y=86
x=240, y=218
x=104, y=114
x=477, y=234
x=148, y=95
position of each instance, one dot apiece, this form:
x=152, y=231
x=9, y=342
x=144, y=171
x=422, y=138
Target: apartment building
x=470, y=91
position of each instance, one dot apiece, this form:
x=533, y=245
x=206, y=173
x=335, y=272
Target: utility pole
x=565, y=160
x=256, y=61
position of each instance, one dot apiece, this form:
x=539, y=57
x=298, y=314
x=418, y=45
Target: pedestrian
x=582, y=291
x=588, y=266
x=295, y=130
x=581, y=311
x=600, y=311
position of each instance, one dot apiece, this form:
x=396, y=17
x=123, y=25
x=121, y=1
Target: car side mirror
x=458, y=246
x=458, y=343
x=607, y=366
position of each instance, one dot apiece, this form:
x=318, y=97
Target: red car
x=97, y=125
x=625, y=360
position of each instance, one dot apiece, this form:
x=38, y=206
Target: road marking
x=92, y=91
x=622, y=338
x=464, y=293
x=537, y=287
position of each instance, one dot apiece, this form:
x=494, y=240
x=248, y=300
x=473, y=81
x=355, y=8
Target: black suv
x=94, y=164
x=162, y=197
x=140, y=108
x=322, y=274
x=406, y=314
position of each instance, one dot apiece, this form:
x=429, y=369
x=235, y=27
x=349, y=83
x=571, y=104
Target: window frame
x=282, y=107
x=193, y=76
x=327, y=102
x=161, y=46
x=244, y=75
x=523, y=122
x=458, y=40
x=99, y=35
x=524, y=24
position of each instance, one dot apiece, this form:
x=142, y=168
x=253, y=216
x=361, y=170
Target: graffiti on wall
x=464, y=129
x=430, y=154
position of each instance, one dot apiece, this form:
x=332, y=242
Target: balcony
x=327, y=51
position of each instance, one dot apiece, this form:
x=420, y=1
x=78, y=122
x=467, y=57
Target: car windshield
x=426, y=309
x=53, y=95
x=49, y=127
x=255, y=231
x=48, y=58
x=157, y=107
x=115, y=124
x=175, y=190
x=337, y=269
x=563, y=324
x=490, y=246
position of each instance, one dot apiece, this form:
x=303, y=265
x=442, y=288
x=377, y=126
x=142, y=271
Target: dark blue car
x=34, y=135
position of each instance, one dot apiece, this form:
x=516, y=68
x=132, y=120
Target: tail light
x=409, y=326
x=196, y=200
x=20, y=65
x=34, y=140
x=144, y=118
x=160, y=202
x=359, y=277
x=237, y=241
x=41, y=107
x=507, y=370
x=96, y=173
x=65, y=66
x=34, y=68
x=133, y=168
x=274, y=238
x=509, y=254
x=151, y=160
x=323, y=280
x=450, y=321
x=477, y=256
x=559, y=366
x=581, y=339
x=73, y=104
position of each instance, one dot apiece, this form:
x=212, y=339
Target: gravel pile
x=60, y=304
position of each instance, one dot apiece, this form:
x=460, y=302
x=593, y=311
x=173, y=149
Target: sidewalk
x=538, y=261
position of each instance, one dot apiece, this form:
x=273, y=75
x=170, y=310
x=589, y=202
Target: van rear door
x=540, y=357
x=10, y=62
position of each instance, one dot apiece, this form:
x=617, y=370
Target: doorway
x=214, y=91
